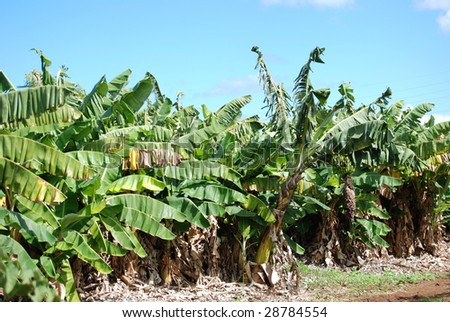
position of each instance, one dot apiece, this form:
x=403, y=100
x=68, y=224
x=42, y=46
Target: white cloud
x=438, y=118
x=444, y=21
x=433, y=4
x=441, y=5
x=441, y=117
x=315, y=3
x=235, y=86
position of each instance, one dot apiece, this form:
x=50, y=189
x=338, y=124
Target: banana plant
x=27, y=216
x=417, y=154
x=315, y=132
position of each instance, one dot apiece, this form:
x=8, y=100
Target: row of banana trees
x=130, y=184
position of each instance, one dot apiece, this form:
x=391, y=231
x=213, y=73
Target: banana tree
x=314, y=132
x=421, y=148
x=24, y=163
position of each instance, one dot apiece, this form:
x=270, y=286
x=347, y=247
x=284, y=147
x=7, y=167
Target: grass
x=328, y=284
x=432, y=299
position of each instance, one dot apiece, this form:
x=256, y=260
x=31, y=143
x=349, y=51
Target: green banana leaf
x=152, y=133
x=197, y=170
x=296, y=247
x=154, y=208
x=47, y=77
x=212, y=209
x=110, y=145
x=29, y=229
x=144, y=222
x=203, y=190
x=85, y=252
x=132, y=101
x=59, y=118
x=239, y=212
x=118, y=83
x=246, y=129
x=41, y=129
x=5, y=83
x=66, y=278
x=354, y=138
x=193, y=214
x=375, y=230
x=427, y=149
x=263, y=184
x=92, y=105
x=18, y=275
x=434, y=132
x=413, y=118
x=123, y=235
x=375, y=180
x=369, y=207
x=104, y=245
x=198, y=136
x=77, y=132
x=360, y=117
x=49, y=267
x=12, y=247
x=229, y=113
x=96, y=159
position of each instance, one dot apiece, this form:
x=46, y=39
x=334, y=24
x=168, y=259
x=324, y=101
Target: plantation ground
x=417, y=278
x=437, y=290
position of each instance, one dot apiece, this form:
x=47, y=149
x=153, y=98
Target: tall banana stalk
x=290, y=133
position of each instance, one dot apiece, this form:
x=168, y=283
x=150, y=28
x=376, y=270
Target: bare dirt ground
x=214, y=290
x=435, y=290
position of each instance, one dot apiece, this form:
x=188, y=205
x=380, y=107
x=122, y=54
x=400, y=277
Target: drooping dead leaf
x=154, y=158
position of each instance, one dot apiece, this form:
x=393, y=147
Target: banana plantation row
x=127, y=183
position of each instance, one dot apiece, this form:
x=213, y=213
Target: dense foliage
x=118, y=176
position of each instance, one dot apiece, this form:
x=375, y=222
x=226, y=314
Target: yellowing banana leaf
x=144, y=159
x=25, y=183
x=17, y=106
x=135, y=183
x=41, y=157
x=38, y=212
x=256, y=205
x=263, y=184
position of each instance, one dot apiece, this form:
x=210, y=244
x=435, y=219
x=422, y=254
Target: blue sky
x=203, y=47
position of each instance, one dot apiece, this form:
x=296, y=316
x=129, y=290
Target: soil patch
x=437, y=290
